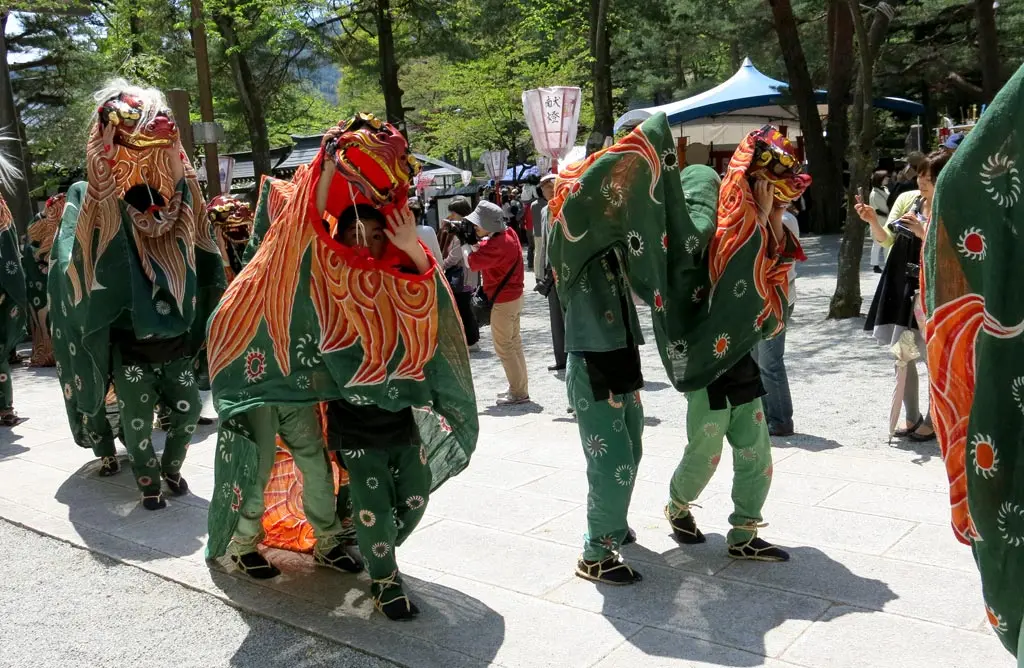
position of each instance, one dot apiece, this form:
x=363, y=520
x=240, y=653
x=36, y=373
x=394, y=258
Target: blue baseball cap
x=953, y=141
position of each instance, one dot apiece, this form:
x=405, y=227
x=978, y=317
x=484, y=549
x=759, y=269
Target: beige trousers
x=508, y=344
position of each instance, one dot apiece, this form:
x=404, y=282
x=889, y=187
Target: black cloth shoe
x=685, y=530
x=176, y=484
x=780, y=432
x=877, y=269
x=340, y=559
x=255, y=565
x=109, y=466
x=154, y=502
x=757, y=549
x=612, y=571
x=390, y=599
x=630, y=537
x=205, y=421
x=556, y=367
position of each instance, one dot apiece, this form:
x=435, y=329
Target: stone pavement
x=876, y=579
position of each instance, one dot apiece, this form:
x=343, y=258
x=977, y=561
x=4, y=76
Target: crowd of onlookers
x=480, y=250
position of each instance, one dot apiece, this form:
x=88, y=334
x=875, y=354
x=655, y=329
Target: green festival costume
x=35, y=259
x=708, y=267
x=973, y=256
x=13, y=310
x=135, y=274
x=309, y=320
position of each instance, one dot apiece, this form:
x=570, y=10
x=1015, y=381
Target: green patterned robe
x=444, y=401
x=633, y=197
x=973, y=257
x=13, y=301
x=121, y=294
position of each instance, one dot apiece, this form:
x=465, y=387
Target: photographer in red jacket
x=499, y=259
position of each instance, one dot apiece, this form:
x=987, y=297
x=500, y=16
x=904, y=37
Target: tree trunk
x=389, y=65
x=988, y=48
x=134, y=29
x=825, y=168
x=601, y=71
x=846, y=301
x=17, y=197
x=252, y=104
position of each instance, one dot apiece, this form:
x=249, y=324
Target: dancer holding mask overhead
x=340, y=303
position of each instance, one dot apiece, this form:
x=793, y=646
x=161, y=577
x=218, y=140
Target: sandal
x=610, y=570
x=397, y=607
x=255, y=565
x=153, y=501
x=339, y=559
x=8, y=418
x=109, y=466
x=921, y=438
x=176, y=484
x=903, y=433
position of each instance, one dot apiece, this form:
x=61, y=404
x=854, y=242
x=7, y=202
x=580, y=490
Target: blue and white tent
x=747, y=100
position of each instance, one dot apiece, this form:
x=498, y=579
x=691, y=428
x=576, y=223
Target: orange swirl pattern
x=157, y=239
x=737, y=225
x=952, y=334
x=284, y=521
x=353, y=304
x=42, y=232
x=567, y=185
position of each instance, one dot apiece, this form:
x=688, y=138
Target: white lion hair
x=9, y=172
x=153, y=100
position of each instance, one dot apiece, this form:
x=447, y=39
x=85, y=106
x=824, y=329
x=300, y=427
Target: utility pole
x=208, y=134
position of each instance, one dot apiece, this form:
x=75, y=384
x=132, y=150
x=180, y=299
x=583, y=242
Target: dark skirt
x=892, y=309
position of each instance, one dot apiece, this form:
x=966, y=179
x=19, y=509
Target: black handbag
x=482, y=304
x=456, y=277
x=546, y=284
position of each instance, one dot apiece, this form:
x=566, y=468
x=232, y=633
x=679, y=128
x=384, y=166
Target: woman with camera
x=455, y=232
x=892, y=309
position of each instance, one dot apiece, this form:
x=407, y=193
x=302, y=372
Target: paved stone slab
x=512, y=511
x=518, y=563
x=755, y=619
x=527, y=632
x=875, y=583
x=853, y=638
x=908, y=504
x=807, y=525
x=653, y=648
x=935, y=546
x=867, y=470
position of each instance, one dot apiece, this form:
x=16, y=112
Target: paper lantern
x=495, y=162
x=552, y=115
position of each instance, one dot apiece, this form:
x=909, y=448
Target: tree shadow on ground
x=735, y=617
x=113, y=506
x=453, y=629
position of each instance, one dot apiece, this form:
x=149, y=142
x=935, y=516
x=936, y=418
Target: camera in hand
x=464, y=231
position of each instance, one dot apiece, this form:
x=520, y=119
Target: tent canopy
x=748, y=98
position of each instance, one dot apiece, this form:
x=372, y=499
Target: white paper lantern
x=495, y=162
x=552, y=115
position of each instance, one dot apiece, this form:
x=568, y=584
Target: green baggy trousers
x=747, y=431
x=611, y=431
x=300, y=430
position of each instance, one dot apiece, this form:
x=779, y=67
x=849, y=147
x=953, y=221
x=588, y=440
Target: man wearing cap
x=542, y=271
x=499, y=259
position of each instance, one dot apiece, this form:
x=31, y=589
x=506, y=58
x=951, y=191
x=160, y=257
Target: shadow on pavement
x=112, y=505
x=453, y=629
x=530, y=408
x=9, y=446
x=807, y=442
x=725, y=619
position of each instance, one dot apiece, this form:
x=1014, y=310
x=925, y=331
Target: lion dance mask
x=231, y=218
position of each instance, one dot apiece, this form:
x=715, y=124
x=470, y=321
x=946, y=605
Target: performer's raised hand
x=401, y=231
x=764, y=197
